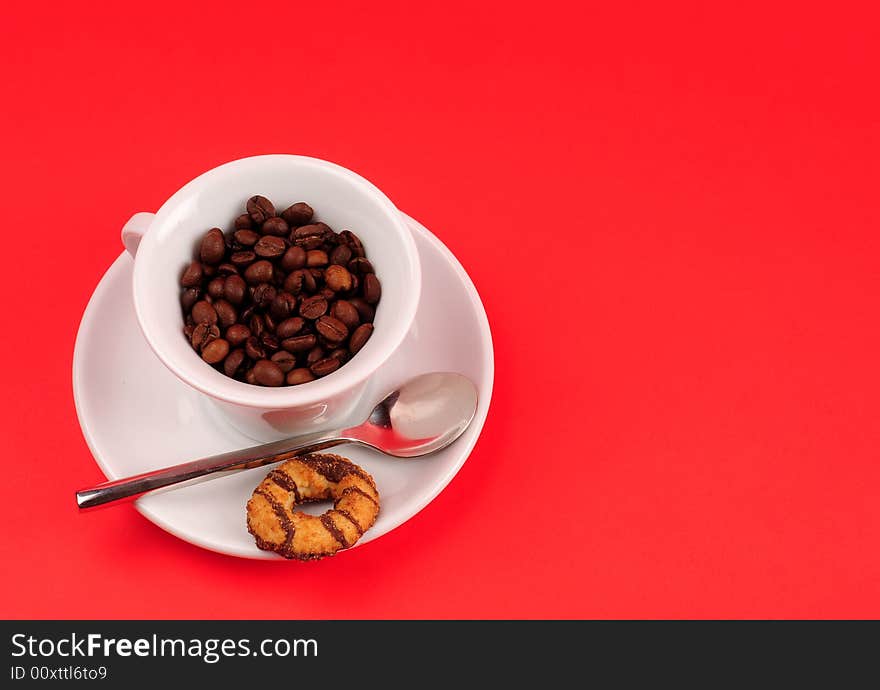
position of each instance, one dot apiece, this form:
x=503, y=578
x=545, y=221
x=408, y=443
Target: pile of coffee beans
x=279, y=299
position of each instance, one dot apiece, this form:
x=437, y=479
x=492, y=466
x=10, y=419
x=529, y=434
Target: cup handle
x=134, y=230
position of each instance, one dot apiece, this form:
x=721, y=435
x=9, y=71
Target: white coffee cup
x=163, y=243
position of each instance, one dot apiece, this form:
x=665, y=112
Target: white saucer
x=137, y=416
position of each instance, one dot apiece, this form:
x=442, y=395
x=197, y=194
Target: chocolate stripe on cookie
x=286, y=525
x=331, y=527
x=348, y=516
x=285, y=481
x=333, y=468
x=359, y=490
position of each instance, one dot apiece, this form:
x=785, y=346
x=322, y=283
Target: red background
x=671, y=215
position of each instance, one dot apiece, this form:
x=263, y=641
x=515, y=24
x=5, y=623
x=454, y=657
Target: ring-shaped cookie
x=277, y=526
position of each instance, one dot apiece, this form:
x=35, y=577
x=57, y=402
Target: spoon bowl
x=424, y=415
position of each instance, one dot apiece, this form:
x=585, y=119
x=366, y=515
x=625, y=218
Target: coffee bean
x=371, y=288
x=203, y=312
x=332, y=329
x=270, y=246
x=192, y=275
x=316, y=354
x=249, y=377
x=215, y=351
x=215, y=288
x=234, y=289
x=284, y=360
x=259, y=272
x=294, y=282
x=275, y=226
x=268, y=373
x=308, y=236
x=226, y=313
x=353, y=242
x=269, y=321
x=270, y=342
x=346, y=313
x=241, y=259
x=237, y=334
x=364, y=310
x=324, y=366
x=189, y=297
x=203, y=334
x=341, y=354
x=360, y=265
x=260, y=209
x=233, y=361
x=283, y=306
x=360, y=337
x=243, y=222
x=355, y=286
x=263, y=295
x=325, y=229
x=300, y=343
x=337, y=278
x=244, y=316
x=316, y=258
x=298, y=376
x=289, y=327
x=257, y=325
x=313, y=307
x=213, y=247
x=188, y=331
x=298, y=214
x=294, y=258
x=226, y=269
x=246, y=238
x=254, y=349
x=341, y=255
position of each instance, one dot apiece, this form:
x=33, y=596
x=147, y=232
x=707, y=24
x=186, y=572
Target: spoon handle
x=246, y=458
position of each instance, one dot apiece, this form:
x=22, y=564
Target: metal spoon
x=425, y=414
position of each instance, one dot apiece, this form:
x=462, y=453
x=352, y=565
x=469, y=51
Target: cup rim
x=353, y=373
